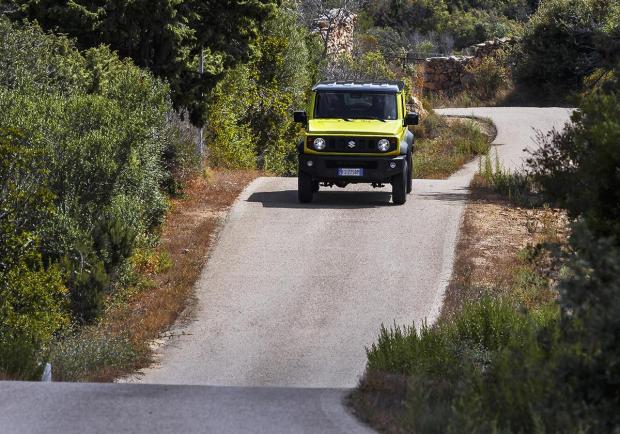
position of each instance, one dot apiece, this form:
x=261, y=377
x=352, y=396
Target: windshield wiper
x=376, y=118
x=347, y=119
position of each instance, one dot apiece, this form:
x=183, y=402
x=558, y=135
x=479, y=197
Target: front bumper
x=376, y=169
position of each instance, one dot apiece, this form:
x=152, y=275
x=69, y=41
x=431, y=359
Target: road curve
x=293, y=293
x=290, y=297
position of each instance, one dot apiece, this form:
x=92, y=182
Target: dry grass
x=496, y=247
x=444, y=144
x=186, y=237
x=171, y=271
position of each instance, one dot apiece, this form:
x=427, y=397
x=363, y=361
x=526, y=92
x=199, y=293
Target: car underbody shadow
x=327, y=199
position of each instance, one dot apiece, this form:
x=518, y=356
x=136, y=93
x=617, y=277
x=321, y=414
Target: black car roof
x=359, y=86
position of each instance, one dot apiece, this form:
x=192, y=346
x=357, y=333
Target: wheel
x=399, y=187
x=315, y=186
x=304, y=187
x=409, y=174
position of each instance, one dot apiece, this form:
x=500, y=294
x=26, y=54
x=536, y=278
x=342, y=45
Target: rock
x=337, y=25
x=416, y=105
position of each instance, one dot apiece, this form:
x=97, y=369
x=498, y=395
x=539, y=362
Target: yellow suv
x=356, y=133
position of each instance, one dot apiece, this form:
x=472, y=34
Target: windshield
x=355, y=105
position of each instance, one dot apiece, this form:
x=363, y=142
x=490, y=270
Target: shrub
x=480, y=372
x=579, y=166
x=518, y=187
x=250, y=124
x=565, y=41
x=89, y=353
x=99, y=126
x=33, y=298
x=590, y=301
x=487, y=77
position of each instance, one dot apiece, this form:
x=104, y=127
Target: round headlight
x=383, y=145
x=319, y=144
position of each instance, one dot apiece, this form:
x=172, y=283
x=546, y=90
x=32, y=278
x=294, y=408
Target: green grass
x=482, y=371
x=90, y=355
x=442, y=146
x=519, y=188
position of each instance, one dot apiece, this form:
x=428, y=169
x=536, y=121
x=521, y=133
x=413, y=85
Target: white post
x=47, y=373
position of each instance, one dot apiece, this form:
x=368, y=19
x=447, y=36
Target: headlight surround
x=319, y=144
x=383, y=145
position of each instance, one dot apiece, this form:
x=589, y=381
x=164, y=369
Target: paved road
x=517, y=128
x=291, y=296
x=154, y=409
x=293, y=293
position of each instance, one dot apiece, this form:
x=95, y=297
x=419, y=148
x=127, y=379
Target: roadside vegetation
x=443, y=144
x=106, y=209
x=527, y=340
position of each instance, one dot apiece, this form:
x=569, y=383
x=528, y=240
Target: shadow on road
x=324, y=199
x=461, y=195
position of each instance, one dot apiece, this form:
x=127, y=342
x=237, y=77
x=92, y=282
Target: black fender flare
x=406, y=145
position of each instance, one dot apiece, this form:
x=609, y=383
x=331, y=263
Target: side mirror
x=412, y=119
x=300, y=117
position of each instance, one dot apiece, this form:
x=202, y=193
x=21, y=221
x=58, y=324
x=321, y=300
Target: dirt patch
x=493, y=238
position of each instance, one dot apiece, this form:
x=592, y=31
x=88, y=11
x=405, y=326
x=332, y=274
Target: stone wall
x=449, y=73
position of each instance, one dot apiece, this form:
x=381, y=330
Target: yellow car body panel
x=328, y=127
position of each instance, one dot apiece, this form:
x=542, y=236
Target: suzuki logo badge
x=351, y=144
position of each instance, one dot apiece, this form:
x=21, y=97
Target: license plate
x=350, y=172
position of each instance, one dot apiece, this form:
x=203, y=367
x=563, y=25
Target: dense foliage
x=578, y=167
x=33, y=297
x=165, y=36
x=250, y=124
x=438, y=26
x=84, y=136
x=499, y=366
x=566, y=41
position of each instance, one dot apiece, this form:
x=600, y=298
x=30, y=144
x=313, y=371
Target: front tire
x=399, y=187
x=305, y=187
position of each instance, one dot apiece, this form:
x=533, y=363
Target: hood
x=356, y=126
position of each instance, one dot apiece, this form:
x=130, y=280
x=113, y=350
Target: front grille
x=337, y=164
x=362, y=145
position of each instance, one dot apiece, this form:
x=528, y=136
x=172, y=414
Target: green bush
x=579, y=167
x=477, y=25
x=165, y=36
x=565, y=41
x=33, y=297
x=249, y=124
x=480, y=372
x=590, y=300
x=488, y=77
x=100, y=127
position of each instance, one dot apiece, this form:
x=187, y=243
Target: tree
x=327, y=16
x=33, y=297
x=567, y=40
x=166, y=36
